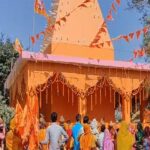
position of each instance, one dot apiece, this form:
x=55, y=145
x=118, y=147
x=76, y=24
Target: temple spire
x=78, y=31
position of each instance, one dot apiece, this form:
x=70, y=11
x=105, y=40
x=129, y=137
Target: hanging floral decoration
x=57, y=78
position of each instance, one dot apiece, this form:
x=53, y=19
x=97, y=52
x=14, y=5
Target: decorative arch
x=58, y=95
x=101, y=99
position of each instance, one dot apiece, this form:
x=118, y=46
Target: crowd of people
x=94, y=135
x=85, y=134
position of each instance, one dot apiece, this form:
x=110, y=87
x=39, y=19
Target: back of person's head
x=86, y=119
x=139, y=127
x=110, y=127
x=68, y=122
x=78, y=118
x=103, y=128
x=62, y=119
x=53, y=116
x=147, y=132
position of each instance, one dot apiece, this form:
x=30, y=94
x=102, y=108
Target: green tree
x=7, y=56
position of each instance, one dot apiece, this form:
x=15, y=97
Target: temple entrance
x=57, y=97
x=103, y=102
x=139, y=103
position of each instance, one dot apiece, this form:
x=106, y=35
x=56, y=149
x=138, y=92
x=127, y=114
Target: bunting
x=112, y=9
x=109, y=17
x=137, y=54
x=36, y=37
x=127, y=37
x=39, y=8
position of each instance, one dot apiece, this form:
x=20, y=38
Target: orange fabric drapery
x=27, y=121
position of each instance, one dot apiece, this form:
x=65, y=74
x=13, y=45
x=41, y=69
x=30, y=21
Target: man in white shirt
x=54, y=133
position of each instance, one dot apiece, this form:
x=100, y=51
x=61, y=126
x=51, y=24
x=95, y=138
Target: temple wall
x=72, y=50
x=83, y=78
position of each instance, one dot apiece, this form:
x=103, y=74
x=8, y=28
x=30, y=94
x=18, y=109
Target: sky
x=16, y=21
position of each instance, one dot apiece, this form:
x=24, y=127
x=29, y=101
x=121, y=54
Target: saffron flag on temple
x=18, y=47
x=39, y=8
x=118, y=2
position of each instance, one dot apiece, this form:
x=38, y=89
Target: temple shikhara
x=74, y=75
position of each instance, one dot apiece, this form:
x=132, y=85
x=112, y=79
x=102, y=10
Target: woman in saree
x=87, y=140
x=125, y=139
x=108, y=141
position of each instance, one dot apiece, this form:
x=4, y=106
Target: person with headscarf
x=87, y=139
x=108, y=141
x=113, y=133
x=146, y=140
x=125, y=139
x=42, y=131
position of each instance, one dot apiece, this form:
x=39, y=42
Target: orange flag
x=109, y=17
x=82, y=5
x=108, y=43
x=104, y=24
x=95, y=40
x=37, y=36
x=39, y=8
x=113, y=7
x=64, y=19
x=145, y=30
x=58, y=22
x=138, y=33
x=18, y=46
x=102, y=44
x=131, y=35
x=32, y=39
x=135, y=53
x=87, y=1
x=118, y=2
x=126, y=38
x=141, y=52
x=103, y=30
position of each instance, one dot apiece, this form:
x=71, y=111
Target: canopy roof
x=40, y=57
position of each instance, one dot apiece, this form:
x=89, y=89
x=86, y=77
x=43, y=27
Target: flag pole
x=33, y=27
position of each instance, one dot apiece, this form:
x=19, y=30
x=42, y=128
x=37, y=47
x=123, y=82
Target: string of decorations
x=138, y=53
x=58, y=22
x=103, y=27
x=128, y=37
